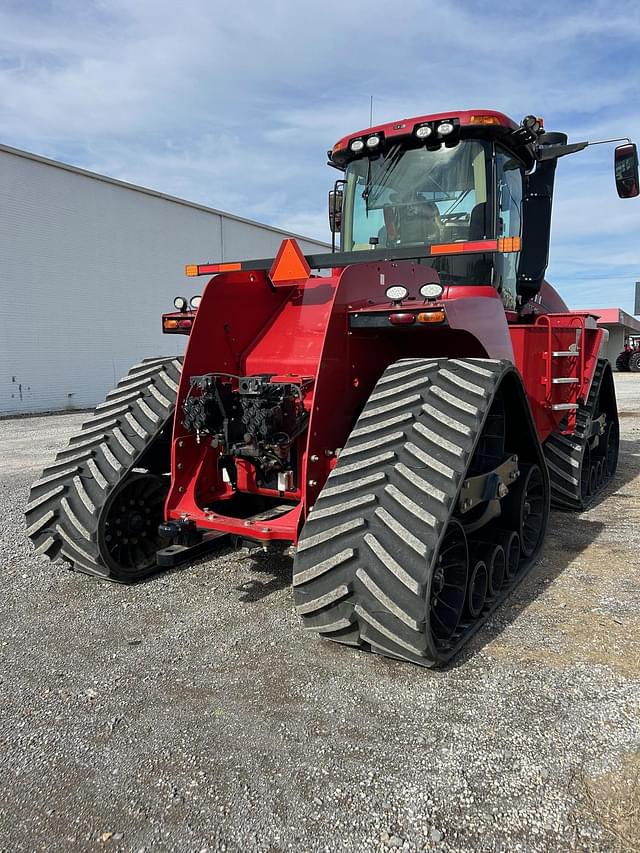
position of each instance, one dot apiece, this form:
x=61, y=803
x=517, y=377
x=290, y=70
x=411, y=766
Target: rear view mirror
x=625, y=160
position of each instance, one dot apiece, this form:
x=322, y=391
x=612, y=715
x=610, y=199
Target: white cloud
x=234, y=105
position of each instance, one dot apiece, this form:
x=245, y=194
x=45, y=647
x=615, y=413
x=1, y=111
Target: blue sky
x=235, y=104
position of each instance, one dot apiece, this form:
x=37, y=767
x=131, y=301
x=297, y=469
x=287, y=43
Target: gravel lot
x=192, y=713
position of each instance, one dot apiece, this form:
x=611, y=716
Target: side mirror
x=335, y=210
x=625, y=159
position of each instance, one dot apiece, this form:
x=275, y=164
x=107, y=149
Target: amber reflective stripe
x=203, y=269
x=458, y=248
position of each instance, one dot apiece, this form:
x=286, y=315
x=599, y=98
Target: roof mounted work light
x=423, y=131
x=445, y=128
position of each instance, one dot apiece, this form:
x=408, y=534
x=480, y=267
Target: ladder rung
x=564, y=407
x=565, y=380
x=565, y=353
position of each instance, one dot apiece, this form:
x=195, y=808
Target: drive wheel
x=128, y=527
x=634, y=362
x=525, y=510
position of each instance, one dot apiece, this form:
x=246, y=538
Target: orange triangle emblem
x=290, y=266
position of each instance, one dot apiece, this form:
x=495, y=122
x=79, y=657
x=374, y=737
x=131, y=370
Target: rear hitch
x=188, y=544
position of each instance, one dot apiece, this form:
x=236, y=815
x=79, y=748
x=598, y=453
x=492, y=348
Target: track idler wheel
x=477, y=590
x=128, y=526
x=448, y=586
x=524, y=509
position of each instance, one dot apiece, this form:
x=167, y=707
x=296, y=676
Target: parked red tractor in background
x=401, y=410
x=629, y=358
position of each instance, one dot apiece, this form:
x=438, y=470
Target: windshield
x=417, y=197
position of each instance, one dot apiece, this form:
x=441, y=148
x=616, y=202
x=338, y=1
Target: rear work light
x=445, y=128
x=423, y=131
x=431, y=291
x=396, y=293
x=180, y=303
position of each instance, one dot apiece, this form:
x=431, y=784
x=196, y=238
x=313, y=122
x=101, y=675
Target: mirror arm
x=549, y=152
x=552, y=152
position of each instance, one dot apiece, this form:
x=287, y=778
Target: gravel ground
x=192, y=713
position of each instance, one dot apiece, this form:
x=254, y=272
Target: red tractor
x=402, y=409
x=629, y=358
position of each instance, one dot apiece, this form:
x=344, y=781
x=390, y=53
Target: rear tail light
x=404, y=319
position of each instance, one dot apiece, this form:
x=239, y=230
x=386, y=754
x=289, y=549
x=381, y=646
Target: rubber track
x=65, y=503
x=365, y=554
x=565, y=453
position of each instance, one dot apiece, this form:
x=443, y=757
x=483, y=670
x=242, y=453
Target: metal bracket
x=598, y=425
x=493, y=485
x=173, y=555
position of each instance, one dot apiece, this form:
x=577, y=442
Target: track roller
x=99, y=504
x=477, y=589
x=525, y=508
x=382, y=561
x=492, y=554
x=510, y=542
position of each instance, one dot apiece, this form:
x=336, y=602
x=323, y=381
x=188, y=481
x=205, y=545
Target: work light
x=445, y=128
x=396, y=292
x=431, y=291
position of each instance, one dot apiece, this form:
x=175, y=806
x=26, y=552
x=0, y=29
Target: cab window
x=509, y=179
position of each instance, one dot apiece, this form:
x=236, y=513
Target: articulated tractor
x=400, y=412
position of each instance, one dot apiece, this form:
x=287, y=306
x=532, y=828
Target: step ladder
x=564, y=369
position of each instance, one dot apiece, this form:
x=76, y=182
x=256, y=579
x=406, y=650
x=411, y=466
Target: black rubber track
x=565, y=454
x=366, y=555
x=66, y=503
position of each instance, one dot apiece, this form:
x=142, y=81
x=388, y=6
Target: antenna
x=370, y=110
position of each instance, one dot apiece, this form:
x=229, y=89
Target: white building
x=87, y=266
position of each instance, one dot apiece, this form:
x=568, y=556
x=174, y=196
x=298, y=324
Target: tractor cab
x=458, y=183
